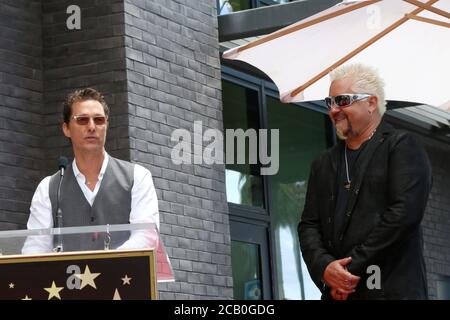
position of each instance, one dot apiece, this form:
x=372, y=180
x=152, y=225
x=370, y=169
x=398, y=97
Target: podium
x=103, y=262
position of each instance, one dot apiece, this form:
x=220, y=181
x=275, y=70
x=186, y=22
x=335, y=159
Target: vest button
x=329, y=220
x=348, y=214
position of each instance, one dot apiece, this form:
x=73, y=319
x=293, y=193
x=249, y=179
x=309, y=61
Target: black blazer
x=386, y=204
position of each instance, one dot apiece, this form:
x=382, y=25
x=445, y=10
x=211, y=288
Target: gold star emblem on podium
x=87, y=278
x=11, y=285
x=126, y=280
x=53, y=291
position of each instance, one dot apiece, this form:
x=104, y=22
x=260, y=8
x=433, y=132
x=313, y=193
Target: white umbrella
x=408, y=41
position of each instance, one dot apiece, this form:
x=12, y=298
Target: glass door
x=250, y=261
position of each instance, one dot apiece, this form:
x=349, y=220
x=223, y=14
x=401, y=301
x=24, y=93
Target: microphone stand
x=58, y=238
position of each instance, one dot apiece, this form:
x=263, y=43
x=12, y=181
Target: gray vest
x=112, y=205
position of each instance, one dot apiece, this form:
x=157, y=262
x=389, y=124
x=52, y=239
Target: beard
x=343, y=132
x=341, y=135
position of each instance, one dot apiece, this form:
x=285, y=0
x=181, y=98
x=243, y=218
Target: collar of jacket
x=383, y=130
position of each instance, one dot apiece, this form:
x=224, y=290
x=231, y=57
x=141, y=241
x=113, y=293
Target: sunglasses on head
x=84, y=120
x=345, y=99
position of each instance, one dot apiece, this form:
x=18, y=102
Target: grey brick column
x=173, y=73
x=21, y=155
x=93, y=56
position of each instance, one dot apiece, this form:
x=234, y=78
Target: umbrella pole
x=429, y=8
x=428, y=20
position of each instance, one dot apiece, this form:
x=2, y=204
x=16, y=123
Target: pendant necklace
x=349, y=182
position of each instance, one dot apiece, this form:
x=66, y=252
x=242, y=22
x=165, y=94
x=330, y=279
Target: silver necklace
x=349, y=182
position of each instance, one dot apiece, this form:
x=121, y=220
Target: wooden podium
x=119, y=274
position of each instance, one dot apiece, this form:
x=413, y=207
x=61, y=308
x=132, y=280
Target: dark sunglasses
x=84, y=120
x=346, y=99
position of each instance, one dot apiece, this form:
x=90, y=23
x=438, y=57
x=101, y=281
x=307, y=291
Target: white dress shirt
x=144, y=207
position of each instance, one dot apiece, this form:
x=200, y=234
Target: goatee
x=341, y=135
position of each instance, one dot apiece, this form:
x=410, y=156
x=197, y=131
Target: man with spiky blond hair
x=360, y=231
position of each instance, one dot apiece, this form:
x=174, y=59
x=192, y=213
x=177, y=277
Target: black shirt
x=342, y=191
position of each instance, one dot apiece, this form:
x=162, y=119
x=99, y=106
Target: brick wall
x=436, y=223
x=173, y=73
x=21, y=155
x=93, y=56
x=157, y=62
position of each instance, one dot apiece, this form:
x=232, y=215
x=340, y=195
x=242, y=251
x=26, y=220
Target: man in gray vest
x=97, y=189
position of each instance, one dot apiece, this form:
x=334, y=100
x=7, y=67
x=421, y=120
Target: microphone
x=62, y=164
